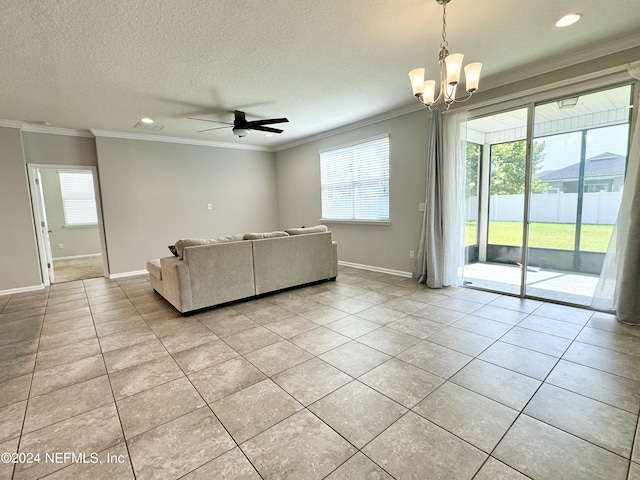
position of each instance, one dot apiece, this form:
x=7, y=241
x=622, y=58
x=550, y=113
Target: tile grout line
x=28, y=399
x=115, y=404
x=352, y=378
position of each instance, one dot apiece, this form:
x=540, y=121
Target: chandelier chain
x=444, y=44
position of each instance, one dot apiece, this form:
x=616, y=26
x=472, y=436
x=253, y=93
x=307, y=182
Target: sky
x=564, y=149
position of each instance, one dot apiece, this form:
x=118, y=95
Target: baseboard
x=127, y=274
x=73, y=257
x=21, y=290
x=371, y=268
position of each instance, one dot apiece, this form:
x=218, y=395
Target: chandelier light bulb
x=429, y=95
x=417, y=81
x=454, y=66
x=472, y=76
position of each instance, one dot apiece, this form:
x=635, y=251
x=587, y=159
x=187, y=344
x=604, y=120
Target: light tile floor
x=369, y=377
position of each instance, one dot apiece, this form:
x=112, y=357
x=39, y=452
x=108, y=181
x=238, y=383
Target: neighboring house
x=602, y=173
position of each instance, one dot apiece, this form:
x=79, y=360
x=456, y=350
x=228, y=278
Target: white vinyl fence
x=599, y=208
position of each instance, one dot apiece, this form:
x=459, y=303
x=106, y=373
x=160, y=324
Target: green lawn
x=594, y=238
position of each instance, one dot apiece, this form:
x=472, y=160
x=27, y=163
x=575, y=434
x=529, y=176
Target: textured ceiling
x=87, y=64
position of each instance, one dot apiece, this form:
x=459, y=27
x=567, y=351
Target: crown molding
x=398, y=112
x=179, y=140
x=552, y=64
x=11, y=124
x=69, y=132
x=28, y=127
x=590, y=81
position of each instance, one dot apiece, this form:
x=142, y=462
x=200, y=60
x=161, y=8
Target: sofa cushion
x=236, y=237
x=259, y=236
x=194, y=242
x=305, y=230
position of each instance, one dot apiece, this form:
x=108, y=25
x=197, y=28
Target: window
x=355, y=181
x=78, y=198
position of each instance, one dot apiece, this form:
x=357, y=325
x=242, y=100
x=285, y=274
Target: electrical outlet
x=60, y=246
x=412, y=254
x=421, y=207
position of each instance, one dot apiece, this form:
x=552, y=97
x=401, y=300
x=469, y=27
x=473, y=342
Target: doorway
x=544, y=185
x=70, y=235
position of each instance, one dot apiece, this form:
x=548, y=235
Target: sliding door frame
x=530, y=101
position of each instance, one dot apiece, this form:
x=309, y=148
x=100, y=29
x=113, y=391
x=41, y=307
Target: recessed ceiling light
x=268, y=134
x=146, y=120
x=568, y=20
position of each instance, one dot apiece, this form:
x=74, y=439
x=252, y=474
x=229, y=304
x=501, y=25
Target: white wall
x=154, y=193
x=44, y=148
x=19, y=267
x=383, y=246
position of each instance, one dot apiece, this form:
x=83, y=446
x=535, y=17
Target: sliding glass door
x=539, y=219
x=495, y=201
x=578, y=169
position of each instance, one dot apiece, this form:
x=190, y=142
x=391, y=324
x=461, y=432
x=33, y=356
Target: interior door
x=43, y=226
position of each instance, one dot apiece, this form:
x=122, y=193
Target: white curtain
x=618, y=288
x=440, y=251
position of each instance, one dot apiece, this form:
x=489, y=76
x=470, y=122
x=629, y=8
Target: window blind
x=355, y=181
x=78, y=198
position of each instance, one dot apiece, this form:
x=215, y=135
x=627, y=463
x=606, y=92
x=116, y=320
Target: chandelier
x=450, y=66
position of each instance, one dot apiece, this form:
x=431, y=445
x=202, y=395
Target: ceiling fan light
x=568, y=20
x=417, y=81
x=454, y=66
x=241, y=132
x=472, y=76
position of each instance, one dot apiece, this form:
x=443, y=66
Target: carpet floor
x=71, y=269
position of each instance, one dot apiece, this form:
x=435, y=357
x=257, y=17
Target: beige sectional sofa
x=212, y=272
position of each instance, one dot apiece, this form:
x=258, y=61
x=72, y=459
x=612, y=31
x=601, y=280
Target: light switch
x=208, y=206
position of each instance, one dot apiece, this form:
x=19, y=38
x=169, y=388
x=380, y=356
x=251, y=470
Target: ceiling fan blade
x=207, y=120
x=268, y=121
x=265, y=129
x=217, y=128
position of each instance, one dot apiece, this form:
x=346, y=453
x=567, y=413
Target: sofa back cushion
x=259, y=236
x=305, y=230
x=291, y=261
x=220, y=273
x=194, y=242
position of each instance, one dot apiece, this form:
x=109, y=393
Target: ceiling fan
x=241, y=126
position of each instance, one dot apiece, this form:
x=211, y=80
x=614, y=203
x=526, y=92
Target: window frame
x=70, y=221
x=356, y=181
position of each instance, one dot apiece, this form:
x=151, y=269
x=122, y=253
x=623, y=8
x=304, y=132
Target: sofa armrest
x=155, y=274
x=220, y=273
x=176, y=283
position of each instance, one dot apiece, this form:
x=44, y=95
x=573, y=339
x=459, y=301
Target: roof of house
x=606, y=164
